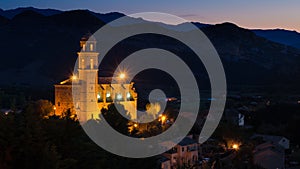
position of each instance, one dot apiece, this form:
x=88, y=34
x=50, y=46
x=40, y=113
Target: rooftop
x=101, y=80
x=274, y=139
x=187, y=141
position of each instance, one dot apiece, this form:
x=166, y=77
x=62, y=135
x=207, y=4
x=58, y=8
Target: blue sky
x=250, y=14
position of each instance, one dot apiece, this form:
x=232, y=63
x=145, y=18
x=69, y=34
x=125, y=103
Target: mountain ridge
x=48, y=45
x=291, y=38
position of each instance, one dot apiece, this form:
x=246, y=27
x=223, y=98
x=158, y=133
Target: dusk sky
x=263, y=14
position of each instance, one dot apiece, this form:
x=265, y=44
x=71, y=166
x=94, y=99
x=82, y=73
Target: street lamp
x=122, y=76
x=235, y=146
x=74, y=77
x=54, y=109
x=163, y=118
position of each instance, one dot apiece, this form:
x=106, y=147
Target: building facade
x=85, y=94
x=185, y=153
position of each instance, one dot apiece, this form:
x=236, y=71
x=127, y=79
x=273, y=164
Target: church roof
x=101, y=80
x=108, y=80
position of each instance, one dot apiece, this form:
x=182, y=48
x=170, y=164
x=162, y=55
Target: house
x=235, y=117
x=164, y=162
x=278, y=140
x=185, y=153
x=269, y=156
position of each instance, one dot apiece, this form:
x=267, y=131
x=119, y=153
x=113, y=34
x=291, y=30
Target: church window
x=82, y=63
x=128, y=95
x=119, y=97
x=91, y=47
x=83, y=47
x=108, y=97
x=99, y=98
x=92, y=63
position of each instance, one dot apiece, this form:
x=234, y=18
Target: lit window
x=99, y=98
x=108, y=97
x=83, y=47
x=92, y=63
x=128, y=95
x=82, y=63
x=91, y=47
x=119, y=96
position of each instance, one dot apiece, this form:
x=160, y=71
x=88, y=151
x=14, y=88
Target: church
x=85, y=93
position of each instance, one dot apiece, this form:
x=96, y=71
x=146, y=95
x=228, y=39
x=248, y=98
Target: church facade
x=85, y=94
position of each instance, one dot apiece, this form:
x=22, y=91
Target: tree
x=44, y=108
x=115, y=119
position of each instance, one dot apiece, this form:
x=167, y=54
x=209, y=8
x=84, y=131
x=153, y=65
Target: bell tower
x=88, y=79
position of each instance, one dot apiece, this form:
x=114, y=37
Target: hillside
x=40, y=49
x=291, y=38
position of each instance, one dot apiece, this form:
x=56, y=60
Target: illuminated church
x=92, y=93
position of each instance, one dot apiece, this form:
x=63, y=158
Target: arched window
x=99, y=97
x=129, y=97
x=91, y=47
x=82, y=64
x=119, y=97
x=83, y=47
x=108, y=97
x=92, y=63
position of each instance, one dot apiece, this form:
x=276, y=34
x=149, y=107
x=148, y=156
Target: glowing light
x=54, y=108
x=98, y=96
x=163, y=118
x=74, y=77
x=65, y=81
x=107, y=94
x=128, y=95
x=119, y=96
x=235, y=146
x=122, y=76
x=135, y=125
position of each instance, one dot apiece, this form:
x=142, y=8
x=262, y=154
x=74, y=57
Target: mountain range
x=39, y=48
